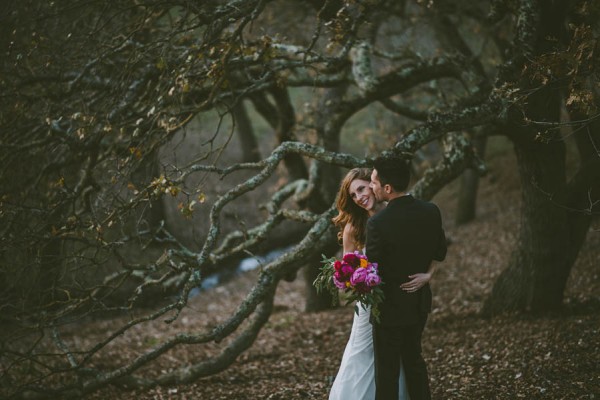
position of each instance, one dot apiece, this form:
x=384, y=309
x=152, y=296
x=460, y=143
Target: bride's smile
x=361, y=194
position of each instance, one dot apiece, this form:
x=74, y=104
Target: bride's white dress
x=355, y=379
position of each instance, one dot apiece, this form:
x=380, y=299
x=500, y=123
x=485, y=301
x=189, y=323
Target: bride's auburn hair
x=348, y=211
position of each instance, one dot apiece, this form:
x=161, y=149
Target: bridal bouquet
x=355, y=276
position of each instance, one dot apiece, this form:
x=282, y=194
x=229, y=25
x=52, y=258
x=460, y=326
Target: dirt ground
x=296, y=355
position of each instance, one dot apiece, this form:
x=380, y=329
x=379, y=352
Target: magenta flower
x=338, y=284
x=372, y=279
x=352, y=259
x=358, y=276
x=347, y=270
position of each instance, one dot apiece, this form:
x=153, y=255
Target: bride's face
x=361, y=194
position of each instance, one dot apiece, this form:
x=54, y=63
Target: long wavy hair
x=349, y=211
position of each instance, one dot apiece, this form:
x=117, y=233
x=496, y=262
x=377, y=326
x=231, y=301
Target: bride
x=355, y=379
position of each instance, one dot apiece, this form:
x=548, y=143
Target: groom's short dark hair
x=393, y=171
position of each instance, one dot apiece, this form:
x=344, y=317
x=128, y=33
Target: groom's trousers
x=395, y=344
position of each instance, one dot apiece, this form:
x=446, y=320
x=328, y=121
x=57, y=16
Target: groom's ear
x=387, y=188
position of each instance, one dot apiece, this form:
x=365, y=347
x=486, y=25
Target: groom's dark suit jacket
x=403, y=239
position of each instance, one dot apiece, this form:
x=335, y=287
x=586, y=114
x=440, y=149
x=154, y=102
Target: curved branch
x=262, y=292
x=362, y=70
x=404, y=110
x=458, y=155
x=402, y=79
x=491, y=112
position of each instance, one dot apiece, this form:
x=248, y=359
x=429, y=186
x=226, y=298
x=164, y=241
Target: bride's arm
x=417, y=281
x=347, y=239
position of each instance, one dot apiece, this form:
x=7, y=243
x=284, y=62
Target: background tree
x=93, y=93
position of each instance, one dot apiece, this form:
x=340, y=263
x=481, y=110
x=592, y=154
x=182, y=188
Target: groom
x=404, y=239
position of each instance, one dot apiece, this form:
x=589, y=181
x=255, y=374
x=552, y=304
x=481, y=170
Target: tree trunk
x=585, y=185
x=536, y=277
x=554, y=224
x=285, y=132
x=250, y=151
x=540, y=265
x=467, y=197
x=282, y=119
x=314, y=300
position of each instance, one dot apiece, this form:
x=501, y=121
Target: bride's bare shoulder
x=348, y=228
x=348, y=239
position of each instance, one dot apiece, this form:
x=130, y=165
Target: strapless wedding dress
x=355, y=379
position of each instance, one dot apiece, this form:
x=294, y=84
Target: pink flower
x=372, y=279
x=338, y=284
x=358, y=276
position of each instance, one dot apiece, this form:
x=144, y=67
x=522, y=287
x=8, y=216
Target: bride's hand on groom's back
x=417, y=281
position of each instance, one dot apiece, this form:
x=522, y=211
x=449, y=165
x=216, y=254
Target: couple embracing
x=383, y=360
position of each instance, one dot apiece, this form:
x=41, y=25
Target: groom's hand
x=417, y=281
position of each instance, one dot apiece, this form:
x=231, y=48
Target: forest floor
x=555, y=356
